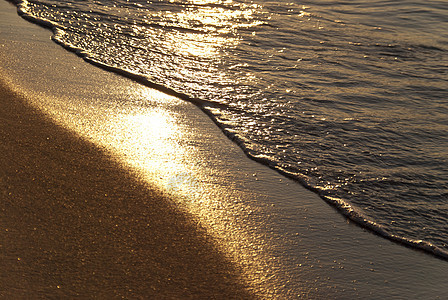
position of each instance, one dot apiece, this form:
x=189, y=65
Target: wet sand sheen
x=76, y=223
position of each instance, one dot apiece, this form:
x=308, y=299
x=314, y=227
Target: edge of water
x=342, y=206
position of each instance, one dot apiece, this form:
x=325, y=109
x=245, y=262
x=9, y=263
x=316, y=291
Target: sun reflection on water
x=206, y=27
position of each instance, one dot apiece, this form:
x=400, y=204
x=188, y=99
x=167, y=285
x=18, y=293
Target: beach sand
x=75, y=223
x=113, y=189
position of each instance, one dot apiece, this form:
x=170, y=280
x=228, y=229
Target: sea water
x=349, y=98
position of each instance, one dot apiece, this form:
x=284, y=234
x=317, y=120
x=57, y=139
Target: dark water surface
x=350, y=98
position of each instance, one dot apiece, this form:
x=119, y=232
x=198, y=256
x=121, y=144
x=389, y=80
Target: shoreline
x=307, y=248
x=344, y=207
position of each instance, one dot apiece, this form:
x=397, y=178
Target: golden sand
x=76, y=223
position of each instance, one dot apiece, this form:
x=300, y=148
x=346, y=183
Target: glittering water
x=350, y=98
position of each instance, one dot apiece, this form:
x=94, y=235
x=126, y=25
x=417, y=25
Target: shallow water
x=350, y=98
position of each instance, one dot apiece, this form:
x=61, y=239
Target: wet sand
x=76, y=223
